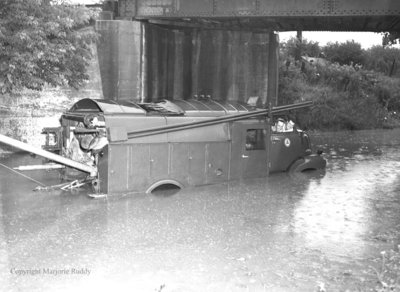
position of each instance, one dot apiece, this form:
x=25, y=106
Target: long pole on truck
x=218, y=120
x=49, y=155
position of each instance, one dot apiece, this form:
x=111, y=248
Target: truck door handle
x=245, y=156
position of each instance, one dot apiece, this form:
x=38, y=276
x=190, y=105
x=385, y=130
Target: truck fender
x=310, y=162
x=297, y=165
x=164, y=182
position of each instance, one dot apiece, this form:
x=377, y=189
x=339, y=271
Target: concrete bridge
x=225, y=49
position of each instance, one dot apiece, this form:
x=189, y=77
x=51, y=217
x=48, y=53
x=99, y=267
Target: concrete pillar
x=145, y=62
x=273, y=70
x=120, y=57
x=178, y=66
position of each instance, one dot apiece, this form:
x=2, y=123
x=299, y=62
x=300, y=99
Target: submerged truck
x=138, y=147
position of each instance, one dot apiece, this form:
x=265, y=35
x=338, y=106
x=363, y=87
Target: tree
x=390, y=38
x=383, y=59
x=44, y=42
x=347, y=53
x=308, y=48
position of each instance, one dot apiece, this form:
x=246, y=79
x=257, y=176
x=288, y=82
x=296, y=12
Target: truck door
x=217, y=162
x=286, y=147
x=254, y=154
x=249, y=149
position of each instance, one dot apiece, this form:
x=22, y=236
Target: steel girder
x=340, y=15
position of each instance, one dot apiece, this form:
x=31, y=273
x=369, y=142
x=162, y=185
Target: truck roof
x=190, y=108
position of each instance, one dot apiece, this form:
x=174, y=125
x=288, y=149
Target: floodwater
x=317, y=231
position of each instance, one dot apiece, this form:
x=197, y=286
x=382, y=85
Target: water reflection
x=333, y=219
x=337, y=214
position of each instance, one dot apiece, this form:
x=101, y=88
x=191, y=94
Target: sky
x=366, y=39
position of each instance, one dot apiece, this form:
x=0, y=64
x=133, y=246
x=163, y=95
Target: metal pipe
x=40, y=167
x=214, y=121
x=49, y=155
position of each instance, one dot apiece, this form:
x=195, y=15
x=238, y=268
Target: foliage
x=308, y=48
x=390, y=38
x=382, y=59
x=347, y=53
x=345, y=97
x=43, y=41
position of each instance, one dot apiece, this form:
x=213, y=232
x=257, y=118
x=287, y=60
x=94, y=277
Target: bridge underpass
x=225, y=49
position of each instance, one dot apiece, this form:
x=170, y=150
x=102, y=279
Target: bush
x=384, y=60
x=44, y=42
x=307, y=48
x=353, y=89
x=347, y=53
x=345, y=97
